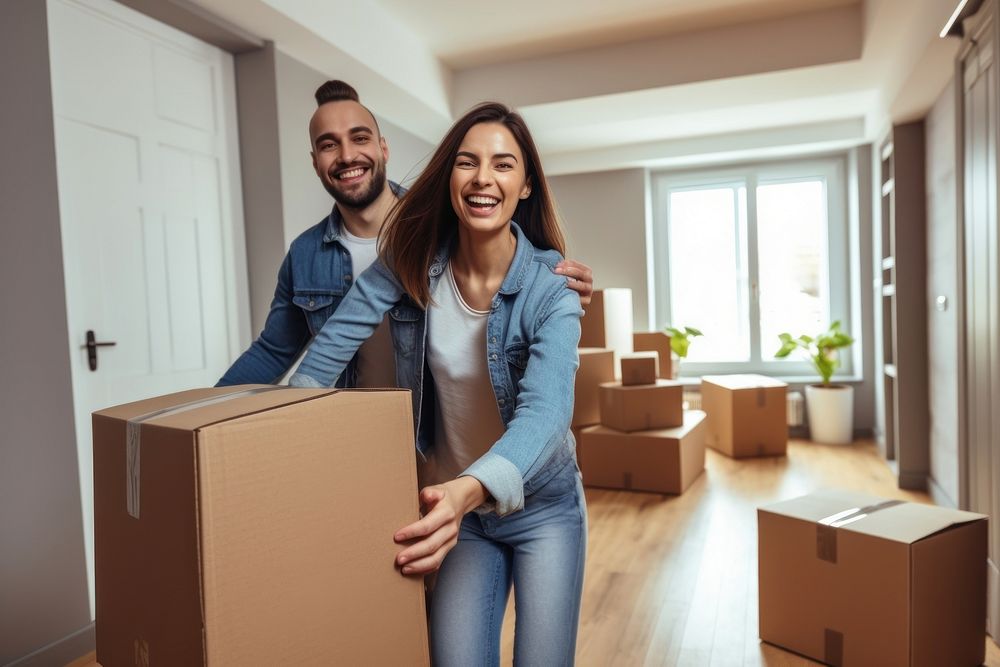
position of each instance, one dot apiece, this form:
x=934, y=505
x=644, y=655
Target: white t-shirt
x=376, y=362
x=467, y=420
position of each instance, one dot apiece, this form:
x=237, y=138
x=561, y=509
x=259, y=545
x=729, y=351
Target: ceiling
x=633, y=83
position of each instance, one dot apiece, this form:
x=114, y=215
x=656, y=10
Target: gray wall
x=604, y=215
x=43, y=580
x=942, y=280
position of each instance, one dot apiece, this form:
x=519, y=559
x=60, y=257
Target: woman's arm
x=358, y=315
x=544, y=407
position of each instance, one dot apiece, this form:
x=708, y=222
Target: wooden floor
x=672, y=580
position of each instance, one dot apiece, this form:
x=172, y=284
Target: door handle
x=91, y=347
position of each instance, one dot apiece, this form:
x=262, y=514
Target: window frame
x=836, y=244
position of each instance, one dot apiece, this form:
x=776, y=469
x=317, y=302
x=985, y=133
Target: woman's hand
x=579, y=278
x=436, y=533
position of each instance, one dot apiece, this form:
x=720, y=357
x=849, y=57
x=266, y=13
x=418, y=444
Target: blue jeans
x=541, y=549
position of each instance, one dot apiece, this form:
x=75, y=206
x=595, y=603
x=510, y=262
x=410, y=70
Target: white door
x=150, y=208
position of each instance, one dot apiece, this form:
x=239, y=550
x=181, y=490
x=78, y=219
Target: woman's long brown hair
x=424, y=218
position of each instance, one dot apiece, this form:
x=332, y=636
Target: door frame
x=986, y=18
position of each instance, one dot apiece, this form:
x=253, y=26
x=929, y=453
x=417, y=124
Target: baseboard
x=60, y=652
x=939, y=496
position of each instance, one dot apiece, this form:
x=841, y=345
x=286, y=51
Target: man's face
x=348, y=154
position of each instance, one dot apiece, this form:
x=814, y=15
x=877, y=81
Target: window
x=745, y=254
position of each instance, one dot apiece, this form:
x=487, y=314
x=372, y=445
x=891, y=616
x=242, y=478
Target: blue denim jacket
x=532, y=334
x=312, y=281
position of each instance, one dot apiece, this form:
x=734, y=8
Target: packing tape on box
x=826, y=528
x=132, y=438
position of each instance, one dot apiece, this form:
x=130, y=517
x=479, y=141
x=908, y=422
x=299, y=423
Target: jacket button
x=312, y=303
x=493, y=356
x=493, y=339
x=347, y=278
x=500, y=401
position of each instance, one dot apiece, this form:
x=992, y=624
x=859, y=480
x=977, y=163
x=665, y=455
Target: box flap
x=743, y=381
x=822, y=504
x=871, y=515
x=594, y=350
x=911, y=522
x=190, y=410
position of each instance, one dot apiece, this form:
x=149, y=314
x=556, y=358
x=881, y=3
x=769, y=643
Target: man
x=349, y=155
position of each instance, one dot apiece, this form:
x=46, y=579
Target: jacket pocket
x=404, y=323
x=317, y=307
x=517, y=360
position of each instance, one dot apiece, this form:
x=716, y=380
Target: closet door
x=982, y=286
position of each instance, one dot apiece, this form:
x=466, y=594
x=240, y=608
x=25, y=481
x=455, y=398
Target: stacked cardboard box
x=607, y=322
x=597, y=366
x=659, y=342
x=747, y=415
x=645, y=440
x=227, y=529
x=850, y=579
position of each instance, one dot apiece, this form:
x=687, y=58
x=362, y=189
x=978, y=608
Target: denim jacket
x=312, y=281
x=532, y=334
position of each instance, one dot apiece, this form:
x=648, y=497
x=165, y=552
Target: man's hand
x=579, y=278
x=437, y=532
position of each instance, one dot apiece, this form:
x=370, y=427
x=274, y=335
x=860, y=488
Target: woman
x=485, y=335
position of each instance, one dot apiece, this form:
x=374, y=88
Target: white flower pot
x=831, y=413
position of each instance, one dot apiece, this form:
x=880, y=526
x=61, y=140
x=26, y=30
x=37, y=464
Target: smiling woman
x=467, y=265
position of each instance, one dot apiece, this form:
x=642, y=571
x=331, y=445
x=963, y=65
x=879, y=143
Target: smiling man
x=349, y=155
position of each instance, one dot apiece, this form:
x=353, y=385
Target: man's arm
x=285, y=335
x=579, y=278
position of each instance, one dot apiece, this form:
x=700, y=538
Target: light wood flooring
x=672, y=580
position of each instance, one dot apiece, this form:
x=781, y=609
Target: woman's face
x=488, y=178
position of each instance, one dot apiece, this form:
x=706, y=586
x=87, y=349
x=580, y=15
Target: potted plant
x=680, y=341
x=830, y=407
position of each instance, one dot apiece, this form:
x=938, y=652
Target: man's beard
x=360, y=199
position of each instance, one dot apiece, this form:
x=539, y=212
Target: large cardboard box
x=607, y=322
x=663, y=461
x=253, y=525
x=596, y=367
x=639, y=368
x=642, y=407
x=747, y=414
x=850, y=579
x=659, y=342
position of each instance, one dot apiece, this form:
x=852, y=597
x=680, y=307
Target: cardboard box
x=596, y=366
x=659, y=342
x=642, y=407
x=639, y=368
x=850, y=579
x=607, y=322
x=747, y=414
x=663, y=461
x=253, y=525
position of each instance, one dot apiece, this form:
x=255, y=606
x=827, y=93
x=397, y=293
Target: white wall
x=604, y=215
x=942, y=280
